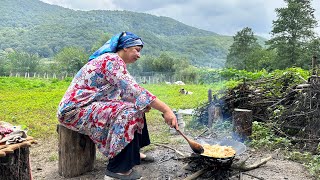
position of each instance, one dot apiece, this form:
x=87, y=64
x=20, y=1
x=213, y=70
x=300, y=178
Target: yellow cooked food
x=218, y=151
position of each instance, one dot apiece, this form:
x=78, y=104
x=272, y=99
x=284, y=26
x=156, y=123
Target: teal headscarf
x=117, y=42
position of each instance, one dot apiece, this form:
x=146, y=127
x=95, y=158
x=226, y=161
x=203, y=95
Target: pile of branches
x=289, y=101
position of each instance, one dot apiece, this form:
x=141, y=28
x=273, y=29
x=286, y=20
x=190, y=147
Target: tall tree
x=71, y=59
x=23, y=62
x=292, y=32
x=244, y=43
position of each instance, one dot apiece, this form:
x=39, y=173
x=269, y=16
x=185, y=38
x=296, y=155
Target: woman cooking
x=104, y=102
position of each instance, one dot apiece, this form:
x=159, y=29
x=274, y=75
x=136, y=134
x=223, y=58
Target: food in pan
x=218, y=151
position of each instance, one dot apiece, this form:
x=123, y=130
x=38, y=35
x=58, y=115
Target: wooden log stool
x=14, y=160
x=77, y=152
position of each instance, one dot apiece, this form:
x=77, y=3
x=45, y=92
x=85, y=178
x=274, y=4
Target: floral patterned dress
x=105, y=103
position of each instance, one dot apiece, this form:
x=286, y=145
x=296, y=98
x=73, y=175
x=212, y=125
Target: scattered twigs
x=302, y=114
x=280, y=132
x=260, y=178
x=306, y=140
x=201, y=133
x=240, y=176
x=242, y=165
x=169, y=147
x=196, y=174
x=277, y=102
x=302, y=78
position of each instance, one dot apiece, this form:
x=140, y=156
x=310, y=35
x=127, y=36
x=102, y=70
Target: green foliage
x=171, y=96
x=312, y=162
x=167, y=64
x=244, y=44
x=260, y=59
x=164, y=63
x=189, y=75
x=100, y=42
x=292, y=33
x=22, y=62
x=71, y=59
x=4, y=64
x=264, y=137
x=208, y=76
x=33, y=102
x=35, y=27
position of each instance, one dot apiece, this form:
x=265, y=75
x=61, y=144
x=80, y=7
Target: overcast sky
x=225, y=17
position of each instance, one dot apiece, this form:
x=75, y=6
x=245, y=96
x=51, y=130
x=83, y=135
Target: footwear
x=148, y=159
x=132, y=176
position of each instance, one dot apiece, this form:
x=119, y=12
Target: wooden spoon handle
x=182, y=134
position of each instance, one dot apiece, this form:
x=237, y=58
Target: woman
x=106, y=103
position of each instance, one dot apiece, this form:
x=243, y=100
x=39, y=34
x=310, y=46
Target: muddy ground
x=168, y=165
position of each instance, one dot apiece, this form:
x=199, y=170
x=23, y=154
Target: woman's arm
x=168, y=114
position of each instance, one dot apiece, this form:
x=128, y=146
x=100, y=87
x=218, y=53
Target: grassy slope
x=32, y=103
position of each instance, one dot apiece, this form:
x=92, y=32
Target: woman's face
x=131, y=54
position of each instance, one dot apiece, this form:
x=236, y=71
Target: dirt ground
x=168, y=166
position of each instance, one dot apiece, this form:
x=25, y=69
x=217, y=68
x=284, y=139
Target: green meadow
x=32, y=103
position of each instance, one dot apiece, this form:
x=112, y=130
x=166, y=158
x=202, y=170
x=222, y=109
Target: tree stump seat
x=77, y=152
x=242, y=124
x=14, y=160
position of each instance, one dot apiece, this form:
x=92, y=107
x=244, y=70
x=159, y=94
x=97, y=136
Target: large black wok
x=236, y=145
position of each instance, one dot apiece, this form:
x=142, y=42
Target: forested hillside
x=35, y=27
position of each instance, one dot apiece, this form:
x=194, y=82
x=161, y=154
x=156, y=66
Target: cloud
x=147, y=5
x=85, y=4
x=224, y=17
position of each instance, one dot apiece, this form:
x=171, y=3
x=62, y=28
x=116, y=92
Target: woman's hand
x=171, y=119
x=147, y=108
x=167, y=113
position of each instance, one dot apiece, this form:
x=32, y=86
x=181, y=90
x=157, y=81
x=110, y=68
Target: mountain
x=37, y=27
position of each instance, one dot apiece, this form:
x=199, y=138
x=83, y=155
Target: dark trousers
x=130, y=155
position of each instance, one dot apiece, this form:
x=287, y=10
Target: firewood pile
x=198, y=167
x=289, y=102
x=10, y=148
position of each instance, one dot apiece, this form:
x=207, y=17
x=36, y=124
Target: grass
x=32, y=103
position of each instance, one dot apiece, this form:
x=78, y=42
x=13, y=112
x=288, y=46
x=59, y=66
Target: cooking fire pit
x=211, y=167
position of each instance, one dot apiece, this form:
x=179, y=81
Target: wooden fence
x=154, y=79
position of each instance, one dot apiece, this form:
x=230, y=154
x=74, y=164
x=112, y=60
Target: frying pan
x=236, y=145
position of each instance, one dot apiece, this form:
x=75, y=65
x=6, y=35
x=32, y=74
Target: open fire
x=210, y=168
x=214, y=168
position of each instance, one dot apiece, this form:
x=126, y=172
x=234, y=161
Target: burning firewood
x=196, y=174
x=244, y=167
